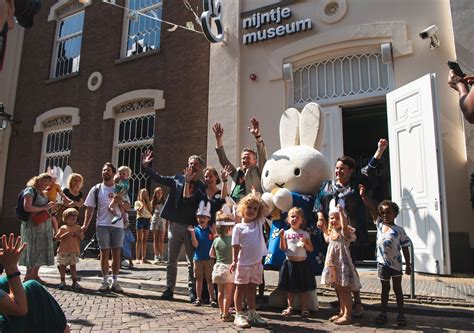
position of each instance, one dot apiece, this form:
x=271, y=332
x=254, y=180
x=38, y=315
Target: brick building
x=98, y=83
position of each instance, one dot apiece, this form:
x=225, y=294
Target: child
x=158, y=224
x=202, y=238
x=391, y=239
x=295, y=274
x=222, y=250
x=52, y=192
x=69, y=236
x=122, y=184
x=339, y=271
x=128, y=240
x=143, y=208
x=248, y=249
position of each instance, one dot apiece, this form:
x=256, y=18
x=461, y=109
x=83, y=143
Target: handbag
x=40, y=217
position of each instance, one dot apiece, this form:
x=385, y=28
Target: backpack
x=20, y=211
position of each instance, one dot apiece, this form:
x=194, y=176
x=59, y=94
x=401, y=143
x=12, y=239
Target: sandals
x=288, y=312
x=344, y=320
x=401, y=320
x=335, y=317
x=357, y=310
x=381, y=319
x=305, y=313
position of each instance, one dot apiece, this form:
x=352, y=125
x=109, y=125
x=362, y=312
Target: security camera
x=430, y=33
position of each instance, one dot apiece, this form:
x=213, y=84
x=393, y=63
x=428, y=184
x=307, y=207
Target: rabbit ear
x=208, y=207
x=289, y=122
x=310, y=123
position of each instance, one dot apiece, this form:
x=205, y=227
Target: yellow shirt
x=52, y=193
x=142, y=211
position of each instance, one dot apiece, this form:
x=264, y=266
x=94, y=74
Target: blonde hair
x=247, y=201
x=125, y=168
x=69, y=211
x=144, y=201
x=33, y=182
x=155, y=201
x=73, y=176
x=298, y=212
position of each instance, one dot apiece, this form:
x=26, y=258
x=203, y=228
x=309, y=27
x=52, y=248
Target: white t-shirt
x=293, y=238
x=249, y=235
x=104, y=217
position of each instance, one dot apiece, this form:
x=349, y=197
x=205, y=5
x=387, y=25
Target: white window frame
x=45, y=155
x=126, y=20
x=60, y=12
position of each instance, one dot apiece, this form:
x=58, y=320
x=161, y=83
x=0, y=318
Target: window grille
x=135, y=135
x=143, y=33
x=57, y=149
x=361, y=74
x=68, y=42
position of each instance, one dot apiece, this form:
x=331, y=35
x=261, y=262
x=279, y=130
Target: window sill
x=137, y=56
x=64, y=77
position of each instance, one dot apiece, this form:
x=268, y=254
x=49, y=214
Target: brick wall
x=180, y=69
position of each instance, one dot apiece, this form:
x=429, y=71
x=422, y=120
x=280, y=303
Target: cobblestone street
x=142, y=311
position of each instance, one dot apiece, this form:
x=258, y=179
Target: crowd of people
x=223, y=231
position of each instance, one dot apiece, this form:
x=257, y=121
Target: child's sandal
x=344, y=320
x=401, y=320
x=288, y=312
x=305, y=313
x=381, y=319
x=334, y=318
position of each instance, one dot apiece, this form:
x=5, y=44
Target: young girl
x=143, y=208
x=339, y=271
x=295, y=274
x=158, y=224
x=248, y=249
x=69, y=236
x=222, y=250
x=122, y=184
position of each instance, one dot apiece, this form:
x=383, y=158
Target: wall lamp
x=6, y=118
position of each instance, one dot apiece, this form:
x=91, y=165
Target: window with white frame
x=67, y=46
x=56, y=148
x=142, y=29
x=134, y=135
x=341, y=77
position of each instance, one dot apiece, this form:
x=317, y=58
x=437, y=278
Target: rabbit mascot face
x=292, y=176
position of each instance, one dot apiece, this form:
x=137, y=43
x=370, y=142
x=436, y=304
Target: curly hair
x=249, y=199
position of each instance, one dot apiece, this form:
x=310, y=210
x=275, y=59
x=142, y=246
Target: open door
x=417, y=173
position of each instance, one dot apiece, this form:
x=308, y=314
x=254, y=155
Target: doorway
x=362, y=127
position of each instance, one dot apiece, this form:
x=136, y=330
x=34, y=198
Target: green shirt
x=223, y=248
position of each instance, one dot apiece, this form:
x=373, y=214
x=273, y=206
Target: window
x=142, y=31
x=134, y=136
x=56, y=149
x=67, y=48
x=341, y=77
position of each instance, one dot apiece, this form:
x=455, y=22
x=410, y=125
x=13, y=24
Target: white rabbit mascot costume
x=291, y=177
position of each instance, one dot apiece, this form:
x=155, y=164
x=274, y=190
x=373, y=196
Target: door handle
x=436, y=204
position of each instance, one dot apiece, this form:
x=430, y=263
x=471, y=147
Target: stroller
x=93, y=246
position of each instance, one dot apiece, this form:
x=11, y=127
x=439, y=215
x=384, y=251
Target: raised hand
x=226, y=172
x=11, y=251
x=218, y=130
x=254, y=128
x=147, y=157
x=361, y=190
x=189, y=173
x=382, y=144
x=190, y=228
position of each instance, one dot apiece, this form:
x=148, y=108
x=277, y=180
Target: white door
x=332, y=144
x=417, y=173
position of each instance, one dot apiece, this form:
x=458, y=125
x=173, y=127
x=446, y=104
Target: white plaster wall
x=8, y=84
x=265, y=98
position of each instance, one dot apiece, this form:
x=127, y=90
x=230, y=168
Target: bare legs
x=345, y=305
x=225, y=293
x=140, y=248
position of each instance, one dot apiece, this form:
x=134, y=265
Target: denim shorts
x=143, y=223
x=109, y=237
x=384, y=273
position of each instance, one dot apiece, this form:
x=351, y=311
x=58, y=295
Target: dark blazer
x=176, y=186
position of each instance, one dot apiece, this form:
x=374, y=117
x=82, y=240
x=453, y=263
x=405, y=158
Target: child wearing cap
x=202, y=237
x=222, y=250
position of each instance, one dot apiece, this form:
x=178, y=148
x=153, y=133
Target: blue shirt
x=204, y=238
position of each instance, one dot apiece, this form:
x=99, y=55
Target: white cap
x=204, y=209
x=224, y=223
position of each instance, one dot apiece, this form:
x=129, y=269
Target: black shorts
x=384, y=273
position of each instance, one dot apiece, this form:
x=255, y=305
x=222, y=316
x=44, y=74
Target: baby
x=122, y=184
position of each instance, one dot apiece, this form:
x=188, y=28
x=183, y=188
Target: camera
x=430, y=33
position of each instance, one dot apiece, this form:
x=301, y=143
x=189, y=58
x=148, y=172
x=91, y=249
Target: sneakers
x=115, y=287
x=198, y=302
x=62, y=285
x=254, y=319
x=167, y=294
x=104, y=286
x=228, y=318
x=76, y=286
x=241, y=321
